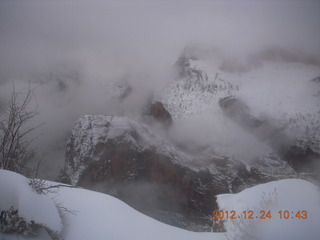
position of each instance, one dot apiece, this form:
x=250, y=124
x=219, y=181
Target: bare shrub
x=15, y=150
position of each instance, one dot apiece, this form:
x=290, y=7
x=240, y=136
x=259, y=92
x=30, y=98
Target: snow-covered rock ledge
x=100, y=216
x=293, y=206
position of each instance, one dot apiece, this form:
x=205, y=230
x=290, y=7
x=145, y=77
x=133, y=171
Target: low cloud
x=73, y=52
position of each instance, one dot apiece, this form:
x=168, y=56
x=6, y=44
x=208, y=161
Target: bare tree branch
x=14, y=131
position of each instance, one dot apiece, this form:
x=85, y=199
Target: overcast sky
x=132, y=34
x=138, y=41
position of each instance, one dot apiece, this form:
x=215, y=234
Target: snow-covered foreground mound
x=100, y=216
x=16, y=193
x=297, y=200
x=95, y=215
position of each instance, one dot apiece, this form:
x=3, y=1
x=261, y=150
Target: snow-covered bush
x=12, y=223
x=23, y=210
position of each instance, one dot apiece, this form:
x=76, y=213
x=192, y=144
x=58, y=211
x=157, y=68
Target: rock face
x=302, y=157
x=123, y=158
x=174, y=183
x=262, y=129
x=160, y=114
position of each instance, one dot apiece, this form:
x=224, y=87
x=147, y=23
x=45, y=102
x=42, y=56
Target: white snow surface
x=98, y=216
x=292, y=195
x=17, y=193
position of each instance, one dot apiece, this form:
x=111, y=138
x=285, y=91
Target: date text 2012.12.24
x=263, y=214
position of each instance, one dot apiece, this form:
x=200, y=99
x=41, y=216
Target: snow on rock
x=117, y=156
x=277, y=91
x=92, y=131
x=99, y=216
x=272, y=165
x=270, y=88
x=291, y=195
x=16, y=192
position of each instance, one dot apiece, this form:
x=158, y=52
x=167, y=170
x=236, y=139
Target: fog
x=73, y=51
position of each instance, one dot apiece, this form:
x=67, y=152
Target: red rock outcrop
x=123, y=158
x=160, y=114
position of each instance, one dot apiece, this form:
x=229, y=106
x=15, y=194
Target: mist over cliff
x=80, y=56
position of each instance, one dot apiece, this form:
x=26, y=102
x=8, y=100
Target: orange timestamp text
x=263, y=214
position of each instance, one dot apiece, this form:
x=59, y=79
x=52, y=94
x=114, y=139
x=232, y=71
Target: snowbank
x=290, y=195
x=15, y=192
x=96, y=215
x=100, y=216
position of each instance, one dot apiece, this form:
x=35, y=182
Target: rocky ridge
x=126, y=159
x=176, y=181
